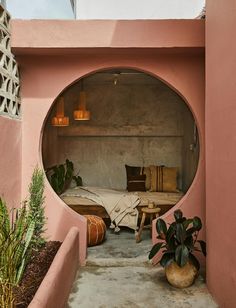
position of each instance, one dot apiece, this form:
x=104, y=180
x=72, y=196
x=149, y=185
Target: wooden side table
x=147, y=212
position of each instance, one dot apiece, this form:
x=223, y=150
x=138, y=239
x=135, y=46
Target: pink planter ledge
x=55, y=288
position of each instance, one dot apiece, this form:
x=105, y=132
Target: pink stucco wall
x=36, y=101
x=65, y=35
x=221, y=150
x=46, y=72
x=10, y=161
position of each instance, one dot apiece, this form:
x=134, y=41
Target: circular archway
x=136, y=120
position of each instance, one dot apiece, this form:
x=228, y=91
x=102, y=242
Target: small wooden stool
x=147, y=212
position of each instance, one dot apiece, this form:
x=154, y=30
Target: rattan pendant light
x=81, y=113
x=60, y=119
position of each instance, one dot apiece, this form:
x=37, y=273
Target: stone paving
x=119, y=275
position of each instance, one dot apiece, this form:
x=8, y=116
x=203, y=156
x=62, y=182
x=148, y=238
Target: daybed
x=84, y=206
x=145, y=185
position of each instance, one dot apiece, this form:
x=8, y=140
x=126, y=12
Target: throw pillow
x=132, y=171
x=135, y=171
x=147, y=172
x=136, y=183
x=164, y=179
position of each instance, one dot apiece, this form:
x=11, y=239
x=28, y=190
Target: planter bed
x=57, y=281
x=34, y=274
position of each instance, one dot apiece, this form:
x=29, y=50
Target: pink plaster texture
x=52, y=55
x=73, y=35
x=55, y=288
x=60, y=218
x=10, y=162
x=221, y=151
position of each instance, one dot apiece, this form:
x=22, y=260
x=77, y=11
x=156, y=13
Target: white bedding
x=120, y=205
x=160, y=198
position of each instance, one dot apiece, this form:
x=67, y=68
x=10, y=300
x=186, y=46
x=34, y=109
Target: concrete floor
x=120, y=246
x=119, y=275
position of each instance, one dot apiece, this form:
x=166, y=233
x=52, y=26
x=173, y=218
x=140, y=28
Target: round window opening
x=120, y=132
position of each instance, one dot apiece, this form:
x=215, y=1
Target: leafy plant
x=36, y=209
x=78, y=180
x=6, y=295
x=179, y=241
x=21, y=232
x=60, y=176
x=15, y=244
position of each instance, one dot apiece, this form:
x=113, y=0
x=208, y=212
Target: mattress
x=159, y=198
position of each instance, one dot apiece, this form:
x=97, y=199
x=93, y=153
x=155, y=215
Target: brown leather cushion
x=96, y=230
x=134, y=171
x=136, y=183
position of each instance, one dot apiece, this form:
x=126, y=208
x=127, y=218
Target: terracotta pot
x=181, y=277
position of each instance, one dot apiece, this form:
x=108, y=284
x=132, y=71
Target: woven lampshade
x=60, y=119
x=82, y=114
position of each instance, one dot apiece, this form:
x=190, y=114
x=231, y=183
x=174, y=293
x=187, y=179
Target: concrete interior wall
x=139, y=121
x=190, y=148
x=50, y=145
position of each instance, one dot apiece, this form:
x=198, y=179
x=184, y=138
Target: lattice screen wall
x=9, y=74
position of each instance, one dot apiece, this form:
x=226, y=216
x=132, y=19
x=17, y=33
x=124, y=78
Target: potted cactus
x=178, y=243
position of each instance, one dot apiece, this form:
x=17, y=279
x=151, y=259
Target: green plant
x=21, y=232
x=15, y=245
x=78, y=180
x=36, y=209
x=60, y=176
x=6, y=295
x=179, y=241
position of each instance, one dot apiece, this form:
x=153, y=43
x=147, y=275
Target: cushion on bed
x=136, y=183
x=96, y=230
x=147, y=172
x=164, y=179
x=132, y=171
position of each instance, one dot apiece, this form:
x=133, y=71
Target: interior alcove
x=136, y=119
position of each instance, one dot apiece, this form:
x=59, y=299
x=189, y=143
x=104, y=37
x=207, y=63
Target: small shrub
x=36, y=208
